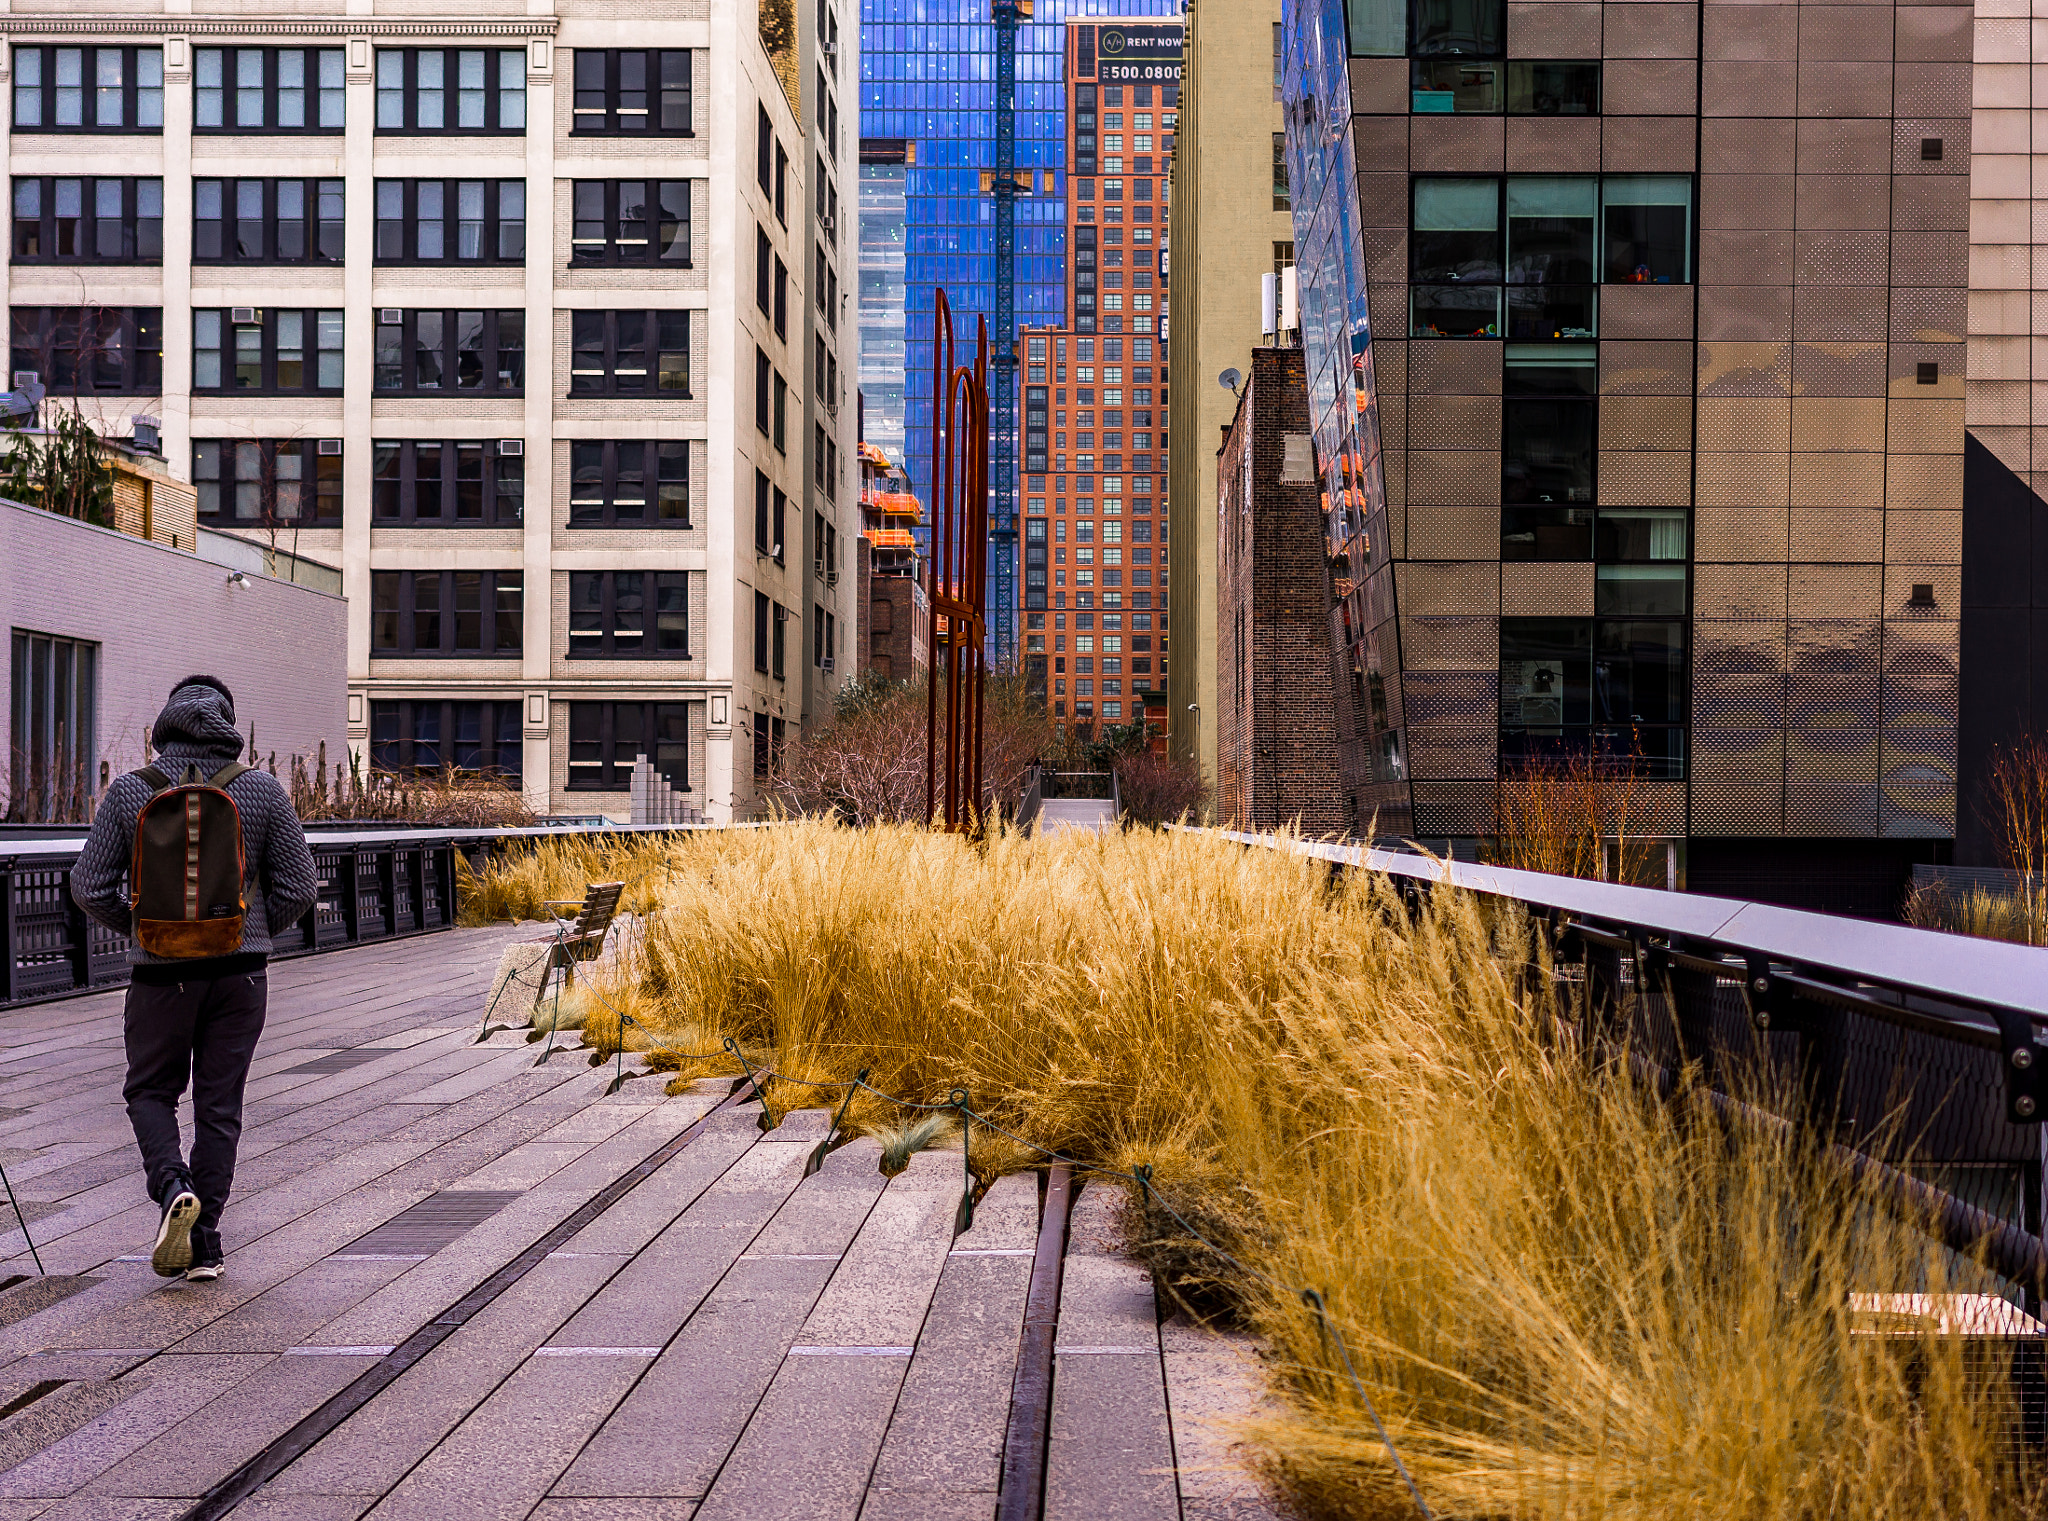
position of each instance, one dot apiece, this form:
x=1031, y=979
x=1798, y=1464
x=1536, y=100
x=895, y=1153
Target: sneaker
x=207, y=1264
x=172, y=1253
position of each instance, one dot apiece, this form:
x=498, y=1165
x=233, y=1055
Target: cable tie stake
x=963, y=1218
x=824, y=1147
x=22, y=1220
x=1328, y=1328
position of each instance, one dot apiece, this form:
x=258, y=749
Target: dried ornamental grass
x=1569, y=1296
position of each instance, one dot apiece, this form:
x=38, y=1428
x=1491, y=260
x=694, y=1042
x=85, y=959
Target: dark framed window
x=459, y=614
x=764, y=280
x=472, y=90
x=606, y=737
x=637, y=90
x=631, y=222
x=1522, y=257
x=764, y=615
x=90, y=350
x=268, y=90
x=771, y=515
x=260, y=482
x=629, y=483
x=1457, y=28
x=448, y=482
x=631, y=353
x=88, y=220
x=629, y=615
x=1549, y=424
x=53, y=742
x=267, y=350
x=1612, y=688
x=764, y=375
x=451, y=221
x=408, y=737
x=1516, y=86
x=71, y=89
x=268, y=221
x=424, y=352
x=764, y=150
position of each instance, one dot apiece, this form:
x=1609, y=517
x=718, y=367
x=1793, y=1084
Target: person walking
x=197, y=984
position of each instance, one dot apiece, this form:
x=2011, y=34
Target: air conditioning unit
x=390, y=316
x=243, y=315
x=829, y=664
x=831, y=225
x=781, y=613
x=330, y=446
x=831, y=578
x=512, y=446
x=775, y=553
x=830, y=49
x=23, y=379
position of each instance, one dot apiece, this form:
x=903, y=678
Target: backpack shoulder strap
x=156, y=780
x=226, y=774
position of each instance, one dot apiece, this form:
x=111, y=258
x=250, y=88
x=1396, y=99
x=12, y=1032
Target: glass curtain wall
x=928, y=77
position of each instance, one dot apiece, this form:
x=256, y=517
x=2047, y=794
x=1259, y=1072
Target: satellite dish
x=1228, y=380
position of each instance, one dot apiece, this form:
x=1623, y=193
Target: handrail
x=1993, y=975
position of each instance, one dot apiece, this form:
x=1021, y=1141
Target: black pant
x=207, y=1031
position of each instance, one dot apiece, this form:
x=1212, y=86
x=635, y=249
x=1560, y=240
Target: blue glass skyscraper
x=928, y=79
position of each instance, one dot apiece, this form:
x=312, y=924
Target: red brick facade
x=1276, y=736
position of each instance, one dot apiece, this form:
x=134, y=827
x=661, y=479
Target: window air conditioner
x=330, y=446
x=23, y=379
x=513, y=446
x=243, y=315
x=828, y=663
x=390, y=316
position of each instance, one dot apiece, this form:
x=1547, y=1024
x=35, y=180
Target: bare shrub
x=1158, y=789
x=1575, y=816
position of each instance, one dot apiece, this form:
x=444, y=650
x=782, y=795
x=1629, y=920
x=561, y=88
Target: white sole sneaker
x=173, y=1251
x=205, y=1272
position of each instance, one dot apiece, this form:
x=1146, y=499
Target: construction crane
x=1004, y=184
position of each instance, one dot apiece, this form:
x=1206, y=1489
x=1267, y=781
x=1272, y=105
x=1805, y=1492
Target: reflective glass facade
x=881, y=302
x=928, y=77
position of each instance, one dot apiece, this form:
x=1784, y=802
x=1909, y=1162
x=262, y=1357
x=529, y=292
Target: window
x=259, y=482
x=448, y=482
x=1457, y=28
x=629, y=353
x=629, y=615
x=92, y=350
x=88, y=221
x=266, y=350
x=633, y=90
x=781, y=430
x=1520, y=87
x=268, y=90
x=764, y=150
x=53, y=738
x=451, y=89
x=606, y=737
x=473, y=614
x=66, y=89
x=1280, y=191
x=408, y=737
x=268, y=221
x=781, y=185
x=771, y=509
x=764, y=276
x=764, y=375
x=1520, y=258
x=447, y=353
x=1606, y=687
x=1548, y=414
x=1647, y=221
x=764, y=612
x=451, y=221
x=629, y=484
x=781, y=300
x=631, y=222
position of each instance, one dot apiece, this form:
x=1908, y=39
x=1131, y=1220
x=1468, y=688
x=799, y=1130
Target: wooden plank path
x=718, y=1336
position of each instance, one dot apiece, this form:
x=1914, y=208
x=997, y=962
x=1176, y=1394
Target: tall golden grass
x=1568, y=1295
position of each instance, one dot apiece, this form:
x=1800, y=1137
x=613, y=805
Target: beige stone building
x=532, y=322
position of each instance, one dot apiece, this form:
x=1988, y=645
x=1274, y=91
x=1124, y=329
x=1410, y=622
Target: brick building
x=1276, y=743
x=1094, y=388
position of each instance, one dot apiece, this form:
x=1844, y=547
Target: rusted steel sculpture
x=952, y=774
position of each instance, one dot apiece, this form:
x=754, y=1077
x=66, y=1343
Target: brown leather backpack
x=185, y=879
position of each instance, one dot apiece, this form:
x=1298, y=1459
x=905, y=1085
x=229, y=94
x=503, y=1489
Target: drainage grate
x=432, y=1223
x=338, y=1061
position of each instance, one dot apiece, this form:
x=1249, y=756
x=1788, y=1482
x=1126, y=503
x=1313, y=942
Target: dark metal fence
x=1914, y=1054
x=374, y=885
x=1066, y=784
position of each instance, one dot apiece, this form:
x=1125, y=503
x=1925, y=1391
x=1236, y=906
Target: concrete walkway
x=1095, y=813
x=726, y=1338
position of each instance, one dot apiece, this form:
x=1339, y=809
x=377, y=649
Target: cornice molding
x=19, y=25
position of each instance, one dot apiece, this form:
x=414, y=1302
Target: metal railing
x=375, y=884
x=1914, y=1054
x=1078, y=784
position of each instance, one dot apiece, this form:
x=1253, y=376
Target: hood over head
x=197, y=723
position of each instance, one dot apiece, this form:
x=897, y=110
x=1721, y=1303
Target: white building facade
x=531, y=323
